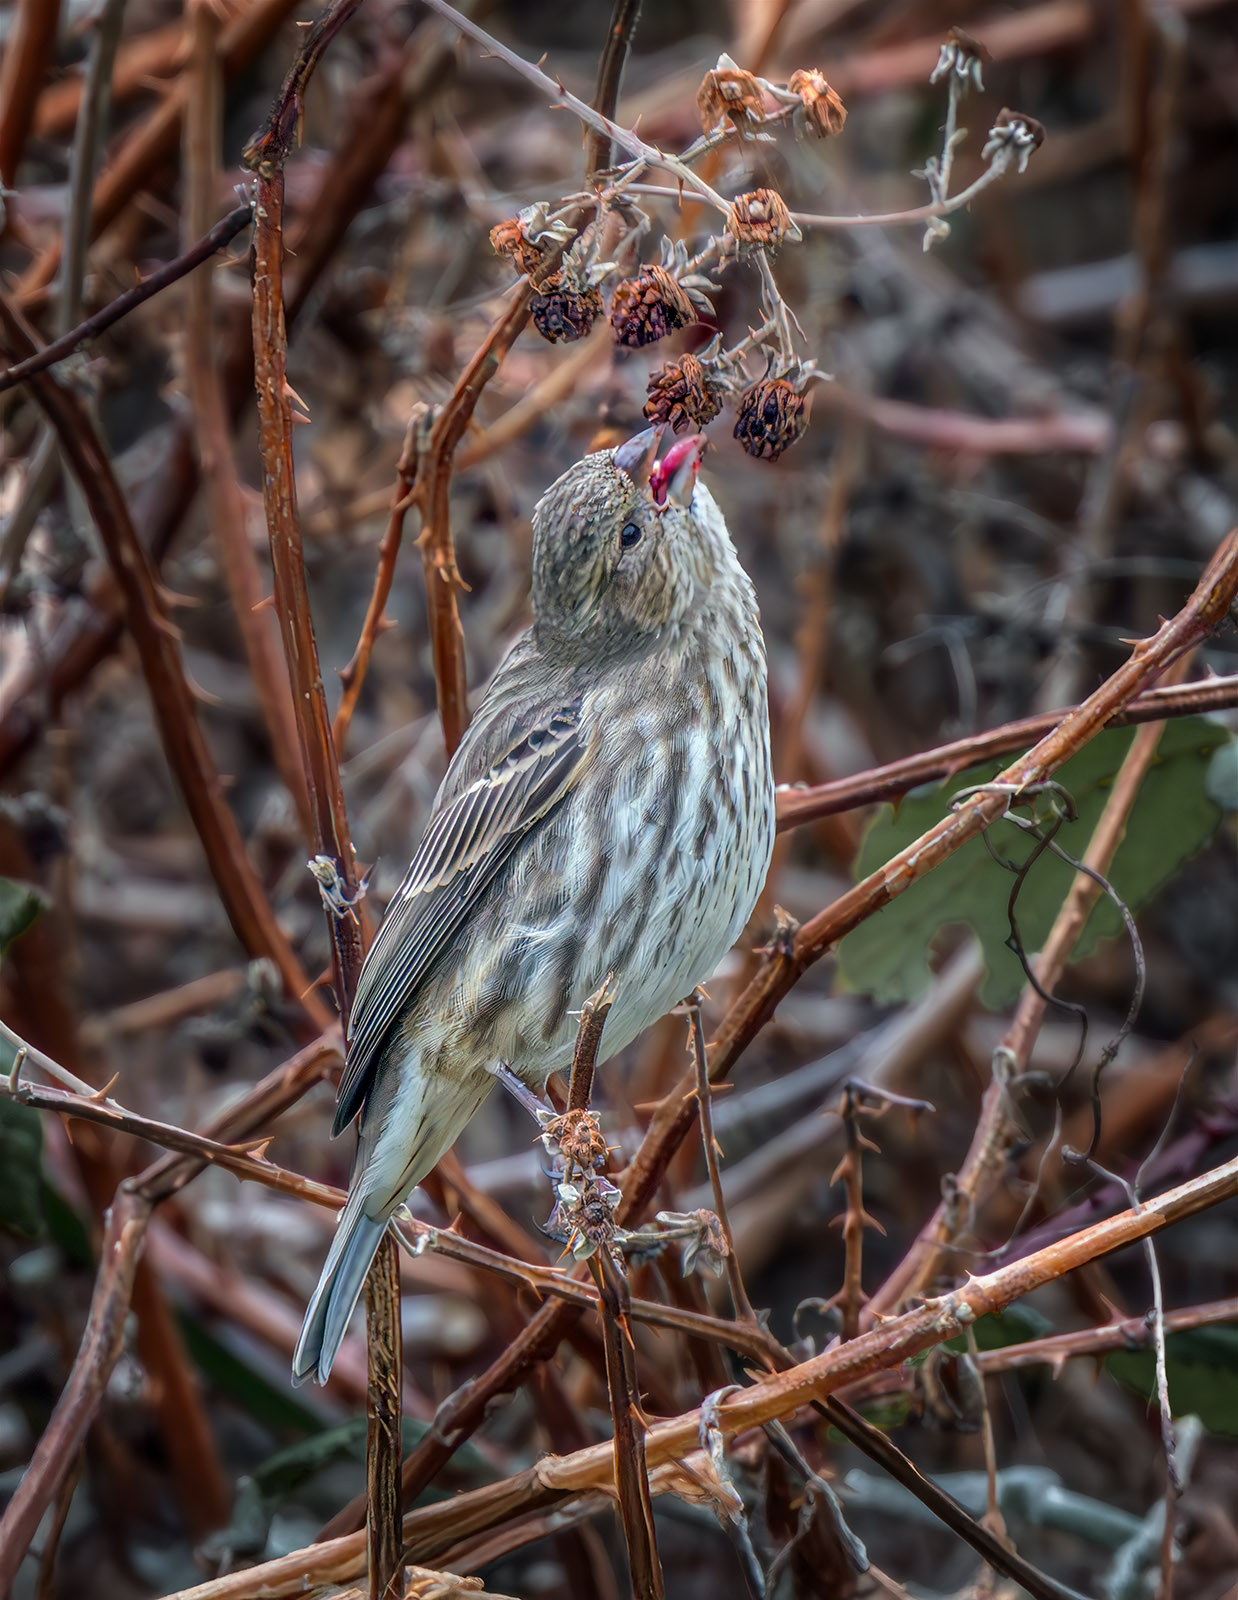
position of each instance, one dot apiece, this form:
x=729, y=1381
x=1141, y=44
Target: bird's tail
x=400, y=1142
x=356, y=1242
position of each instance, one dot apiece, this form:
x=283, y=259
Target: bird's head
x=625, y=545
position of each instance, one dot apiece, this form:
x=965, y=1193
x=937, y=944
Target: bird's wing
x=469, y=837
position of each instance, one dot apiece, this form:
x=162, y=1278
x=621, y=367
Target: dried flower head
x=728, y=91
x=648, y=307
x=772, y=417
x=560, y=310
x=1013, y=137
x=532, y=240
x=577, y=1137
x=683, y=393
x=761, y=218
x=963, y=56
x=821, y=112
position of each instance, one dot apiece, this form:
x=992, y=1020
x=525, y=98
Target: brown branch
x=434, y=1531
x=31, y=43
x=352, y=676
x=740, y=1303
x=614, y=58
x=225, y=501
x=172, y=701
x=207, y=246
x=797, y=806
x=265, y=157
x=431, y=496
x=384, y=1411
x=1130, y=1333
x=628, y=1422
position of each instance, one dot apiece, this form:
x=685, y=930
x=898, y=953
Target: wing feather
x=466, y=843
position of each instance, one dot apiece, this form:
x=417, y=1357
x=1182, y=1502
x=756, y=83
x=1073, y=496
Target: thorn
x=100, y=1095
x=267, y=603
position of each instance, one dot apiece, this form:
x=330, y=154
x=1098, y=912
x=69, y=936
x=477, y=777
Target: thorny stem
x=704, y=1098
x=798, y=806
x=558, y=95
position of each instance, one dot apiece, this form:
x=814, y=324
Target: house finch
x=610, y=811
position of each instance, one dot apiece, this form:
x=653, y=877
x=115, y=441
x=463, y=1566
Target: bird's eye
x=631, y=535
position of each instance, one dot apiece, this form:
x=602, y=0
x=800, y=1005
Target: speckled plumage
x=610, y=810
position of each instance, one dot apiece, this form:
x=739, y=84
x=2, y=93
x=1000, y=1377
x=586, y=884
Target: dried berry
x=761, y=218
x=1014, y=135
x=821, y=112
x=562, y=311
x=648, y=307
x=771, y=419
x=728, y=91
x=683, y=394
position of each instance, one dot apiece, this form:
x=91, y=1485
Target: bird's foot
x=538, y=1107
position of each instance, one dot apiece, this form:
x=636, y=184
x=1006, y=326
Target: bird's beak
x=637, y=457
x=674, y=477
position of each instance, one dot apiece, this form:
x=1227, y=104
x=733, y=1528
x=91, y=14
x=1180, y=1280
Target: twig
x=431, y=495
x=384, y=1410
x=595, y=120
x=352, y=676
x=740, y=1302
x=27, y=55
x=593, y=1016
x=210, y=244
x=614, y=58
x=228, y=520
x=798, y=806
x=265, y=156
x=628, y=1450
x=247, y=906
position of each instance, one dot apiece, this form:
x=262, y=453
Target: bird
x=608, y=813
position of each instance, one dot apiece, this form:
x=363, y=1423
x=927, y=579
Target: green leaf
x=1202, y=1367
x=1173, y=817
x=21, y=1157
x=19, y=906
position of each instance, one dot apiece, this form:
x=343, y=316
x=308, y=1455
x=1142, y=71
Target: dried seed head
x=562, y=311
x=772, y=417
x=1013, y=136
x=532, y=240
x=648, y=307
x=761, y=218
x=728, y=91
x=683, y=394
x=509, y=239
x=963, y=56
x=821, y=112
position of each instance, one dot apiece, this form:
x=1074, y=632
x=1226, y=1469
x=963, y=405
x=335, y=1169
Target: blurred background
x=1024, y=455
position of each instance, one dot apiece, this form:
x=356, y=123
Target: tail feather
x=356, y=1242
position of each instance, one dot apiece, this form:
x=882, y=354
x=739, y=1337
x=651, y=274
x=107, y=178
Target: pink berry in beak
x=674, y=477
